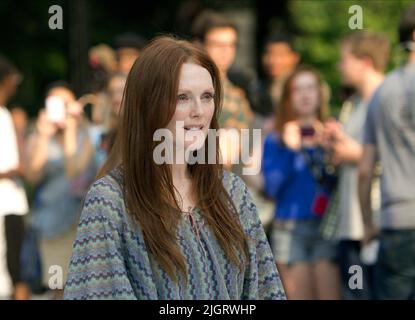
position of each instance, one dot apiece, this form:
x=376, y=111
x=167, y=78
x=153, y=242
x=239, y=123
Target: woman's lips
x=194, y=127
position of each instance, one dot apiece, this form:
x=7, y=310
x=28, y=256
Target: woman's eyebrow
x=185, y=90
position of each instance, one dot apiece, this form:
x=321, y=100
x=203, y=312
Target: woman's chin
x=194, y=147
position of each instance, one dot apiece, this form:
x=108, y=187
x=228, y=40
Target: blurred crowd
x=334, y=193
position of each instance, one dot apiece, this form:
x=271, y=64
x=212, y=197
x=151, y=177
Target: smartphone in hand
x=307, y=131
x=55, y=109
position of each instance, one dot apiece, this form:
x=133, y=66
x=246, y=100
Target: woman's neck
x=179, y=172
x=307, y=120
x=183, y=185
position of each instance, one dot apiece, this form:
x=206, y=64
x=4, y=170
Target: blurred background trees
x=320, y=24
x=45, y=55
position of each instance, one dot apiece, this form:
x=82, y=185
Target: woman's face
x=305, y=94
x=116, y=90
x=194, y=109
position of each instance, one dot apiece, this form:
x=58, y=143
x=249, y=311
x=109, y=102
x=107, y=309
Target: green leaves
x=321, y=24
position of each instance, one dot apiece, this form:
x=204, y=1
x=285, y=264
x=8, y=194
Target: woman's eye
x=183, y=98
x=207, y=96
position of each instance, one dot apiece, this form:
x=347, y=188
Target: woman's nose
x=197, y=108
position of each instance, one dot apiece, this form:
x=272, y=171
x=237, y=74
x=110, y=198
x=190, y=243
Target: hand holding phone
x=291, y=135
x=44, y=127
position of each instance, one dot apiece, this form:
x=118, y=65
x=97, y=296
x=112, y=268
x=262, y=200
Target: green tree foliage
x=42, y=54
x=321, y=24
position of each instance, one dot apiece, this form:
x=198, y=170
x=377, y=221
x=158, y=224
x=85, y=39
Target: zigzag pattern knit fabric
x=110, y=259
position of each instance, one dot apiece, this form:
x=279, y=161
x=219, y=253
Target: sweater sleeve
x=277, y=165
x=97, y=269
x=261, y=280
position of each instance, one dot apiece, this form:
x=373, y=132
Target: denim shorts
x=300, y=241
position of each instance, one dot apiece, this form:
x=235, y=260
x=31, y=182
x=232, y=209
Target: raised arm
x=36, y=154
x=77, y=157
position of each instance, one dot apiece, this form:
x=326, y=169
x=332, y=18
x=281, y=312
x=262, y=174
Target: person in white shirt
x=13, y=201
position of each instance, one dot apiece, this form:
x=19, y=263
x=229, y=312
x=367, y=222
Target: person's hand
x=332, y=131
x=74, y=109
x=316, y=138
x=71, y=123
x=291, y=135
x=343, y=148
x=370, y=232
x=45, y=128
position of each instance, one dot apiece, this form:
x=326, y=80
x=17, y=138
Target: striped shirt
x=110, y=259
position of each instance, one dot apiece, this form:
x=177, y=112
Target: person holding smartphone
x=59, y=164
x=297, y=176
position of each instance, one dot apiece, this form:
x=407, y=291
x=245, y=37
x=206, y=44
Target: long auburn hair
x=285, y=111
x=149, y=102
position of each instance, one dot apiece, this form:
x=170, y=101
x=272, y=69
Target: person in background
x=298, y=177
x=59, y=164
x=128, y=47
x=105, y=56
x=107, y=87
x=21, y=123
x=364, y=58
x=13, y=201
x=115, y=90
x=104, y=142
x=390, y=138
x=219, y=37
x=279, y=60
x=102, y=62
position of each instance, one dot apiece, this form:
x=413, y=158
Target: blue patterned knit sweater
x=110, y=259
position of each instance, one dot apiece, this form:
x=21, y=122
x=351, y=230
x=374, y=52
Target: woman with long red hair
x=170, y=230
